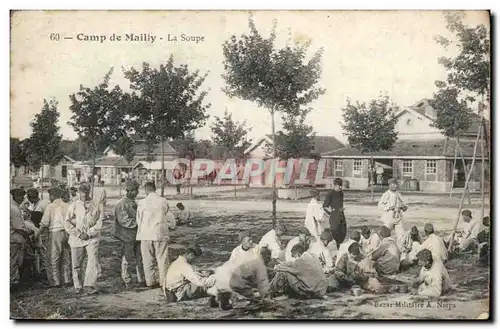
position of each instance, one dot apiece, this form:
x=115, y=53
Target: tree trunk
x=162, y=181
x=274, y=176
x=372, y=176
x=41, y=184
x=465, y=191
x=190, y=176
x=465, y=167
x=94, y=153
x=453, y=170
x=483, y=173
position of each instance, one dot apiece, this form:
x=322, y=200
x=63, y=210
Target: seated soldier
x=183, y=215
x=387, y=255
x=434, y=243
x=273, y=240
x=410, y=248
x=433, y=279
x=250, y=275
x=354, y=268
x=354, y=236
x=369, y=240
x=303, y=238
x=182, y=281
x=466, y=238
x=320, y=250
x=246, y=249
x=302, y=277
x=483, y=239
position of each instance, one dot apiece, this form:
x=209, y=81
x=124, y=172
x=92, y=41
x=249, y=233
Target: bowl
x=403, y=289
x=356, y=291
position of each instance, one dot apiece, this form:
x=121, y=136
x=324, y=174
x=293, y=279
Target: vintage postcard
x=250, y=165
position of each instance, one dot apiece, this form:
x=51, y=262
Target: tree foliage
x=370, y=127
x=43, y=145
x=296, y=140
x=453, y=116
x=99, y=114
x=231, y=135
x=166, y=101
x=277, y=79
x=470, y=69
x=124, y=147
x=18, y=152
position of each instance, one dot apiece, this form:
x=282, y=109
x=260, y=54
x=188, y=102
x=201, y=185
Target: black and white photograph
x=250, y=165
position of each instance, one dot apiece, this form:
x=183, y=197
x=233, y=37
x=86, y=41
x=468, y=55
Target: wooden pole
x=483, y=168
x=275, y=197
x=453, y=170
x=465, y=167
x=450, y=245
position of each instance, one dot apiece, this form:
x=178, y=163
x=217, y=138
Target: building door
x=64, y=171
x=460, y=174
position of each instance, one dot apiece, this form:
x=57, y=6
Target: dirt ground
x=215, y=228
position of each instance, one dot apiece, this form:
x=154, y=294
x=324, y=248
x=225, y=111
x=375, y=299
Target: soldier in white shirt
x=154, y=219
x=355, y=236
x=316, y=220
x=59, y=251
x=433, y=280
x=434, y=243
x=245, y=250
x=183, y=215
x=369, y=240
x=84, y=223
x=303, y=238
x=392, y=206
x=182, y=281
x=272, y=240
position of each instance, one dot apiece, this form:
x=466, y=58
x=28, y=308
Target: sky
x=365, y=53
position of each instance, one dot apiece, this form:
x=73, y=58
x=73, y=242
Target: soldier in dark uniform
x=334, y=206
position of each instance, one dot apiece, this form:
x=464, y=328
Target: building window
x=358, y=166
x=338, y=165
x=430, y=167
x=407, y=168
x=64, y=171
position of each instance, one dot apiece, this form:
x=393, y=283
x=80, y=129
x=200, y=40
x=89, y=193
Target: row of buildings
x=421, y=154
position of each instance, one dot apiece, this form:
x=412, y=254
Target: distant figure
x=183, y=215
x=433, y=280
x=392, y=206
x=100, y=194
x=73, y=194
x=334, y=207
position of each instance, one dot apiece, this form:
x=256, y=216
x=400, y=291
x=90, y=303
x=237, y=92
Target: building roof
x=120, y=162
x=321, y=144
x=444, y=148
x=141, y=147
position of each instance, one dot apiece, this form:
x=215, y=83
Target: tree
x=99, y=115
x=469, y=73
x=124, y=147
x=277, y=79
x=231, y=135
x=370, y=127
x=18, y=152
x=167, y=103
x=296, y=140
x=45, y=140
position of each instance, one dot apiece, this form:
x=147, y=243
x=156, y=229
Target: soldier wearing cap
x=433, y=280
x=126, y=232
x=466, y=238
x=392, y=206
x=315, y=221
x=59, y=251
x=18, y=236
x=304, y=238
x=387, y=256
x=334, y=207
x=245, y=249
x=273, y=240
x=84, y=223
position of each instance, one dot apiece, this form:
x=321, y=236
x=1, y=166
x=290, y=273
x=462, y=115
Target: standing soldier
x=59, y=250
x=126, y=231
x=19, y=235
x=153, y=221
x=392, y=206
x=84, y=223
x=334, y=206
